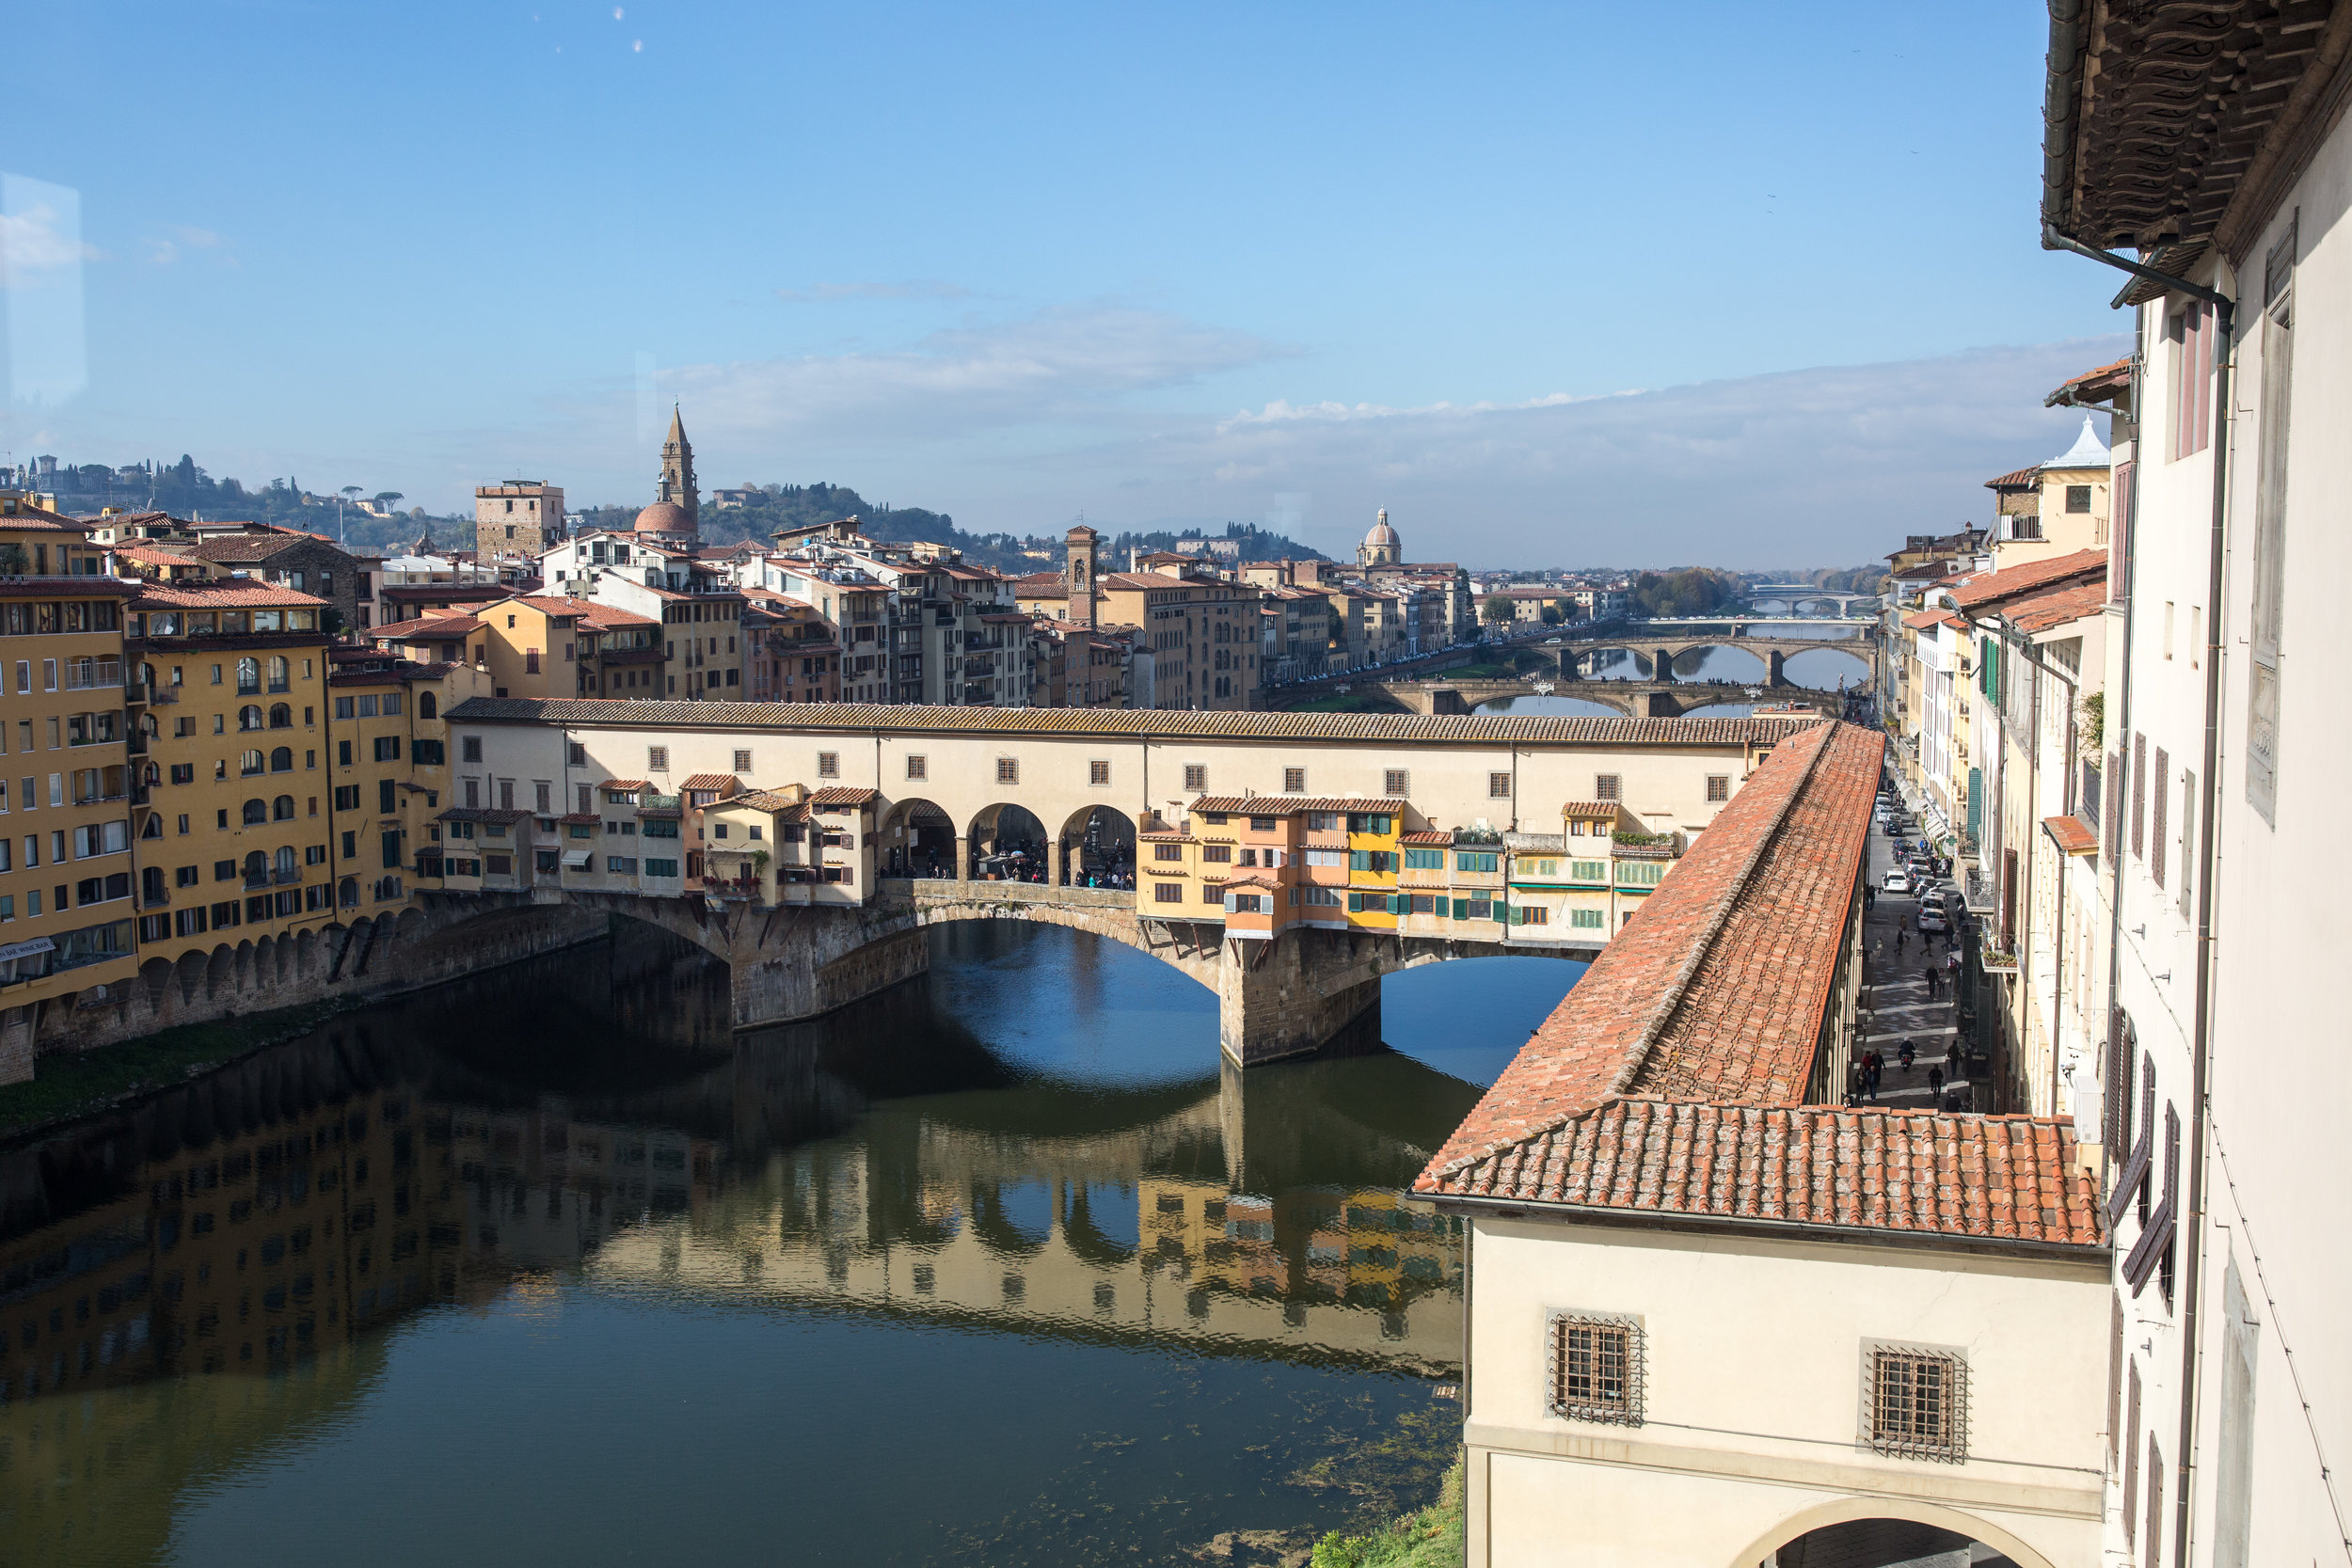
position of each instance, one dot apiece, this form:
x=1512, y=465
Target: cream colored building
x=1717, y=1317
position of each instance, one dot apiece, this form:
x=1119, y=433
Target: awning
x=575, y=858
x=26, y=949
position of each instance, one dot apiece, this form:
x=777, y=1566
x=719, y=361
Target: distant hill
x=783, y=506
x=185, y=490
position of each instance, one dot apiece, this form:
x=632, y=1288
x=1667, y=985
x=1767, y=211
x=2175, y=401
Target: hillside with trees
x=1692, y=591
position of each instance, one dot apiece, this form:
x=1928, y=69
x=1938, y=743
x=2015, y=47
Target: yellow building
x=65, y=872
x=391, y=770
x=231, y=700
x=1376, y=832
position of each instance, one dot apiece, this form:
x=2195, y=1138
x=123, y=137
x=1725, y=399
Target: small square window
x=1293, y=780
x=1098, y=772
x=1396, y=782
x=1915, y=1400
x=1008, y=770
x=919, y=768
x=2078, y=497
x=1498, y=787
x=578, y=754
x=468, y=749
x=1596, y=1366
x=657, y=759
x=743, y=760
x=828, y=764
x=1719, y=787
x=1606, y=787
x=1196, y=778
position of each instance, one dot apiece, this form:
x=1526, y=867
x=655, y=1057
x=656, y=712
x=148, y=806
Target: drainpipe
x=2192, y=1221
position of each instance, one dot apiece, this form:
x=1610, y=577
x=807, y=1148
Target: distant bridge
x=1796, y=595
x=1634, y=699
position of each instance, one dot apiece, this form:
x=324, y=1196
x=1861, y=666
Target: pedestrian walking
x=1952, y=1056
x=1935, y=1079
x=1901, y=938
x=1928, y=975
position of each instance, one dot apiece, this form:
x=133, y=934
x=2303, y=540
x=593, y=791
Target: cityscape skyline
x=513, y=284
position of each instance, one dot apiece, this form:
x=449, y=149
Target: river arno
x=998, y=1268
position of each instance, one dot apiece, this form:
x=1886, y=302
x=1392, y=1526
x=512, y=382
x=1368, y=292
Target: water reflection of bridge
x=188, y=1280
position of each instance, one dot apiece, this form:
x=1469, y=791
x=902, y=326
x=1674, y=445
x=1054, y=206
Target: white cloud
x=38, y=241
x=1062, y=366
x=179, y=238
x=913, y=288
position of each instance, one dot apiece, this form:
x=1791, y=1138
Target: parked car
x=1931, y=916
x=1896, y=880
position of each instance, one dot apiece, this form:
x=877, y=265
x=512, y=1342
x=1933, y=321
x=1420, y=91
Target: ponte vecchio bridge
x=945, y=792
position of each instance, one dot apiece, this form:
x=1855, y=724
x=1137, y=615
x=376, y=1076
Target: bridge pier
x=1298, y=992
x=1662, y=666
x=1776, y=672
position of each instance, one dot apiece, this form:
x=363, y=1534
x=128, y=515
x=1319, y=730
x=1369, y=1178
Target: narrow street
x=1894, y=1002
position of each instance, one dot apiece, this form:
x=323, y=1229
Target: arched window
x=281, y=760
x=280, y=717
x=287, y=865
x=256, y=811
x=248, y=763
x=256, y=869
x=282, y=809
x=278, y=672
x=347, y=893
x=248, y=677
x=249, y=718
x=427, y=707
x=152, y=827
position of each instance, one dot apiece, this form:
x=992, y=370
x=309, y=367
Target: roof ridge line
x=1670, y=995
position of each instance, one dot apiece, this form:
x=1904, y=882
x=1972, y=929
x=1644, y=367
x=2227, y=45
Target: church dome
x=1381, y=532
x=664, y=517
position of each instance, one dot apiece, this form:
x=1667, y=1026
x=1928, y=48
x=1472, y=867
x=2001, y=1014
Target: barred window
x=828, y=764
x=1098, y=772
x=1605, y=787
x=1196, y=778
x=1293, y=780
x=657, y=759
x=1396, y=780
x=1719, y=787
x=1498, y=787
x=743, y=760
x=1916, y=1402
x=1008, y=770
x=1596, y=1366
x=919, y=768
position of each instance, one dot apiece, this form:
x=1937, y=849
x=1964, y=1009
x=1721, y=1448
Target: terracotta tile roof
x=837, y=795
x=1920, y=620
x=1990, y=588
x=223, y=594
x=1166, y=835
x=2045, y=610
x=2071, y=834
x=550, y=605
x=1997, y=1177
x=2092, y=385
x=1251, y=878
x=427, y=628
x=70, y=587
x=578, y=818
x=1039, y=585
x=726, y=784
x=763, y=800
x=34, y=519
x=1156, y=723
x=480, y=814
x=231, y=548
x=2020, y=479
x=1287, y=805
x=151, y=555
x=631, y=786
x=1588, y=811
x=1428, y=838
x=1719, y=989
x=606, y=617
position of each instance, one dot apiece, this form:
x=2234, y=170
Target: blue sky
x=1557, y=284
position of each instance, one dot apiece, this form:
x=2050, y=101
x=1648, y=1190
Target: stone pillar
x=963, y=858
x=1775, y=673
x=1061, y=862
x=1309, y=989
x=1661, y=665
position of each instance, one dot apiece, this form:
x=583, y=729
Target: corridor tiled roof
x=2056, y=608
x=1989, y=588
x=1290, y=806
x=2004, y=1178
x=726, y=784
x=843, y=795
x=1158, y=724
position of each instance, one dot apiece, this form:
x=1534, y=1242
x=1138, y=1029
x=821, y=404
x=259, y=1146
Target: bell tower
x=677, y=485
x=1077, y=576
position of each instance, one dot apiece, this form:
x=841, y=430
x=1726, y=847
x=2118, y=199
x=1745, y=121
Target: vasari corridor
x=1534, y=786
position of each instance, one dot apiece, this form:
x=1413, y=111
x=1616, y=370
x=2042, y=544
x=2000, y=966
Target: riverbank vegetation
x=82, y=1084
x=1426, y=1538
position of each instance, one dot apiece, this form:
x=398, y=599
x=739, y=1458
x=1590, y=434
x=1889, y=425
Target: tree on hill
x=1498, y=609
x=1692, y=591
